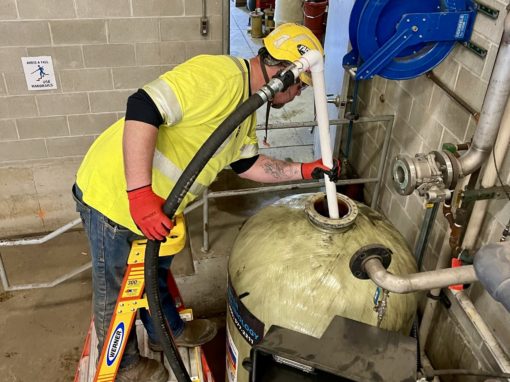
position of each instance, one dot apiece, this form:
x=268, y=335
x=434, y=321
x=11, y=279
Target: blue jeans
x=110, y=244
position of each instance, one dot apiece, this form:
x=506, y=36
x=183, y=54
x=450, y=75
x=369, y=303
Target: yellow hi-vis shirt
x=194, y=98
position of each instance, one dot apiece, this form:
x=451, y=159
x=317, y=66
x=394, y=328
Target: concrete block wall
x=102, y=51
x=425, y=118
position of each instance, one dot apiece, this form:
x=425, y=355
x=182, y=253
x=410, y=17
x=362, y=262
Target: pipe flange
x=362, y=255
x=449, y=168
x=455, y=169
x=404, y=175
x=316, y=211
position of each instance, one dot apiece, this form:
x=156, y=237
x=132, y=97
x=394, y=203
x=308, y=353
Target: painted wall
x=102, y=51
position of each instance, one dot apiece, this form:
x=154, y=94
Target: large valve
x=433, y=175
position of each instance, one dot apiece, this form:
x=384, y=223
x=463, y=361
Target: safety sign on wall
x=39, y=73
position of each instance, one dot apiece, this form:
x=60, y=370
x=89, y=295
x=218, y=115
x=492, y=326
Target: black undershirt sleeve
x=140, y=107
x=243, y=165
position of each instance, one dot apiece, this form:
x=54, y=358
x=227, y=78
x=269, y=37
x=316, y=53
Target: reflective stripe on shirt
x=165, y=100
x=248, y=151
x=173, y=173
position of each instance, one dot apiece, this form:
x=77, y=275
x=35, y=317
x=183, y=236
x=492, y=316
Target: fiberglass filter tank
x=290, y=267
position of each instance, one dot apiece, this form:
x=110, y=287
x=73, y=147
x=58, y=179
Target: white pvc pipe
x=313, y=60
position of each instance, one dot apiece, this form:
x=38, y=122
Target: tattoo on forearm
x=279, y=169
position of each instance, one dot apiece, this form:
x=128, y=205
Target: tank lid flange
x=316, y=211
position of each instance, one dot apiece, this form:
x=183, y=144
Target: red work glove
x=316, y=170
x=146, y=209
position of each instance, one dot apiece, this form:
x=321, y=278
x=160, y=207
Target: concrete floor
x=43, y=330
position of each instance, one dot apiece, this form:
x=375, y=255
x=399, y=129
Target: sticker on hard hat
x=302, y=49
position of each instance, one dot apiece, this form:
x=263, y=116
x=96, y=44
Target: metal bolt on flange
x=373, y=251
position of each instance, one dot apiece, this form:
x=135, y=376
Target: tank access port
x=316, y=210
x=362, y=255
x=433, y=175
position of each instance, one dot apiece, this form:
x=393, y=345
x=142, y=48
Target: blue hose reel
x=402, y=39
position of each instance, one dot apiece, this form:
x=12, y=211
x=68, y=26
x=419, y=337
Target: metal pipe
x=488, y=180
x=431, y=303
x=447, y=212
x=417, y=281
x=334, y=122
x=493, y=108
x=443, y=262
x=425, y=230
x=382, y=162
x=485, y=332
x=222, y=194
x=286, y=187
x=205, y=221
x=431, y=75
x=3, y=275
x=50, y=284
x=40, y=240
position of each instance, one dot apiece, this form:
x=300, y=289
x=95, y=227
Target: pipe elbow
x=386, y=280
x=472, y=160
x=313, y=60
x=391, y=283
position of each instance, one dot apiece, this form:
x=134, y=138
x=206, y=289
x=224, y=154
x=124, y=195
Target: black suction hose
x=172, y=203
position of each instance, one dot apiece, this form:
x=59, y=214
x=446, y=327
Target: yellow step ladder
x=130, y=299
